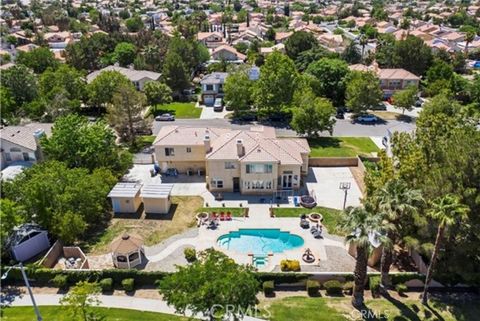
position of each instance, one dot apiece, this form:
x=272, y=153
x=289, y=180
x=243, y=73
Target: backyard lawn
x=236, y=211
x=56, y=313
x=153, y=229
x=341, y=146
x=340, y=309
x=331, y=216
x=180, y=110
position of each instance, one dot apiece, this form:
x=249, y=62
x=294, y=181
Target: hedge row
x=43, y=276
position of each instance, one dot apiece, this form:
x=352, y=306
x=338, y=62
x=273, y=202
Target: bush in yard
x=106, y=284
x=190, y=254
x=333, y=287
x=348, y=287
x=60, y=281
x=290, y=265
x=401, y=288
x=312, y=287
x=374, y=284
x=268, y=288
x=128, y=285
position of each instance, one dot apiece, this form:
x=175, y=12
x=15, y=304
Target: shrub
x=106, y=284
x=312, y=287
x=290, y=265
x=348, y=287
x=374, y=284
x=268, y=288
x=333, y=287
x=190, y=254
x=401, y=288
x=405, y=277
x=60, y=281
x=128, y=285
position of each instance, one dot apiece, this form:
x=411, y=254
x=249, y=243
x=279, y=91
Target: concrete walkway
x=110, y=301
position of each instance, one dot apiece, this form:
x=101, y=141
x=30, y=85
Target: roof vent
x=125, y=237
x=207, y=137
x=239, y=141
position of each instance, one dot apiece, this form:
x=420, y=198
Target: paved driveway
x=209, y=113
x=325, y=181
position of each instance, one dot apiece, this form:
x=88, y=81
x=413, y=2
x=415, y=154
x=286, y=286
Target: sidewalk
x=110, y=301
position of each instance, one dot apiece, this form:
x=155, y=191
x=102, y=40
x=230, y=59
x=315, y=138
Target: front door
x=236, y=184
x=287, y=181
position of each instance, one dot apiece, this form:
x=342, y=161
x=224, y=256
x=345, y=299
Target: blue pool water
x=260, y=241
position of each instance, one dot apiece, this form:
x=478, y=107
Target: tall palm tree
x=469, y=37
x=396, y=201
x=446, y=210
x=363, y=41
x=363, y=223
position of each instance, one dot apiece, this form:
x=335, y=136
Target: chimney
x=240, y=148
x=206, y=143
x=37, y=135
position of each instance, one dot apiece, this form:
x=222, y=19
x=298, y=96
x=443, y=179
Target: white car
x=165, y=117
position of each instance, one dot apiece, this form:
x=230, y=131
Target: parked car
x=218, y=104
x=366, y=118
x=340, y=114
x=380, y=106
x=165, y=117
x=419, y=102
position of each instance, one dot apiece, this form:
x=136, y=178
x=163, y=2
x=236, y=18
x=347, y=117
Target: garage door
x=209, y=100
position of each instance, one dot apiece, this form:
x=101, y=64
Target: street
x=343, y=127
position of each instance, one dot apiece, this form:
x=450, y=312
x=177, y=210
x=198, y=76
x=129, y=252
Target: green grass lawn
x=340, y=309
x=180, y=110
x=236, y=211
x=341, y=146
x=56, y=313
x=331, y=216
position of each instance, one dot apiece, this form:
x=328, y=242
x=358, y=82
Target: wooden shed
x=156, y=198
x=125, y=197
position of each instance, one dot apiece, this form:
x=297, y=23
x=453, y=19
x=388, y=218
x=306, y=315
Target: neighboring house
x=58, y=40
x=227, y=53
x=27, y=241
x=21, y=144
x=251, y=161
x=212, y=87
x=392, y=79
x=210, y=39
x=268, y=50
x=138, y=77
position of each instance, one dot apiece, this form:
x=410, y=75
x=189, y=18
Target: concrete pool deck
x=330, y=250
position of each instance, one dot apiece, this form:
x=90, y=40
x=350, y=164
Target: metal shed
x=125, y=197
x=26, y=241
x=156, y=198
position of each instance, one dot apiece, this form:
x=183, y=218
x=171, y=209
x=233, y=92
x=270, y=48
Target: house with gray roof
x=212, y=87
x=138, y=77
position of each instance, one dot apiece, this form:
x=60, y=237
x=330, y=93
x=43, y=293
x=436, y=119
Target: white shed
x=156, y=198
x=26, y=241
x=125, y=197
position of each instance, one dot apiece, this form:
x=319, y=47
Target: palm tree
x=363, y=41
x=469, y=37
x=396, y=201
x=446, y=210
x=363, y=223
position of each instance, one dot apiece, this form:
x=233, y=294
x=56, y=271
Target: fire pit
x=307, y=201
x=315, y=217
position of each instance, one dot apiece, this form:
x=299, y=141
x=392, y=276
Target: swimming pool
x=259, y=241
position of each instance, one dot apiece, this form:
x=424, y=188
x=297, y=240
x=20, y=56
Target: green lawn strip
x=236, y=211
x=300, y=309
x=341, y=146
x=340, y=309
x=331, y=216
x=180, y=110
x=57, y=313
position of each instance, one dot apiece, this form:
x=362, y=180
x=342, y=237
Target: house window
x=229, y=165
x=217, y=183
x=15, y=150
x=259, y=168
x=257, y=184
x=208, y=87
x=8, y=157
x=169, y=151
x=26, y=157
x=189, y=149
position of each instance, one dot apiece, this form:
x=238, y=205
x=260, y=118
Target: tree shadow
x=408, y=313
x=160, y=111
x=324, y=142
x=404, y=118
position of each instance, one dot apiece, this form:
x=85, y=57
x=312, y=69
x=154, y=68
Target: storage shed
x=125, y=197
x=27, y=241
x=156, y=198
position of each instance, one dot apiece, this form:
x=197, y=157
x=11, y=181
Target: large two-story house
x=212, y=87
x=251, y=161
